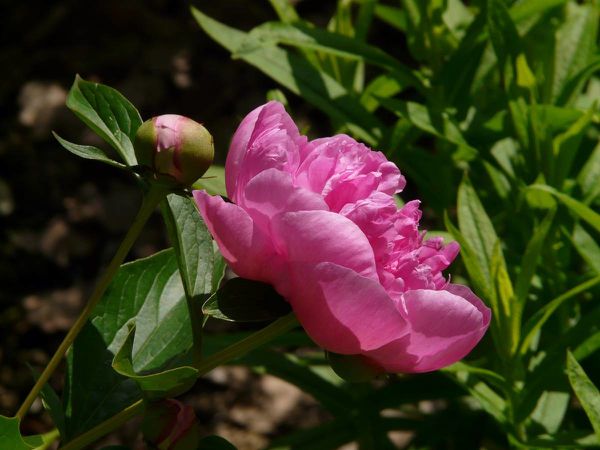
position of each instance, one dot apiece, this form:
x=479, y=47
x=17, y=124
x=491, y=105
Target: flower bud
x=171, y=425
x=175, y=148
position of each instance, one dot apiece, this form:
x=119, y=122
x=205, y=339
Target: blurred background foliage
x=488, y=107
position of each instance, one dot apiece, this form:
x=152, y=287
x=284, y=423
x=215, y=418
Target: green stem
x=49, y=438
x=252, y=342
x=149, y=203
x=93, y=434
x=258, y=339
x=196, y=318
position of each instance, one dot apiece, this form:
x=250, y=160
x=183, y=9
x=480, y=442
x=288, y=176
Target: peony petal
x=244, y=246
x=323, y=236
x=267, y=138
x=272, y=192
x=444, y=326
x=238, y=148
x=343, y=311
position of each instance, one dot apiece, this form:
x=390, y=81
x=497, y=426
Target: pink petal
x=444, y=326
x=238, y=148
x=343, y=311
x=267, y=138
x=272, y=192
x=244, y=246
x=323, y=236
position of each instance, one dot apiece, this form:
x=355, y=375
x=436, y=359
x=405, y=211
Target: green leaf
x=167, y=383
x=108, y=114
x=493, y=377
x=474, y=268
x=332, y=434
x=52, y=404
x=531, y=256
x=583, y=337
x=292, y=369
x=525, y=9
x=93, y=390
x=510, y=320
x=535, y=323
x=584, y=212
x=242, y=300
x=567, y=144
x=10, y=436
x=215, y=443
x=192, y=243
x=589, y=176
x=352, y=368
x=438, y=125
x=572, y=88
x=586, y=392
x=476, y=226
x=299, y=35
x=391, y=15
x=285, y=11
x=489, y=400
x=88, y=152
x=575, y=45
x=213, y=181
x=148, y=293
x=383, y=86
x=568, y=440
x=587, y=247
x=300, y=77
x=550, y=410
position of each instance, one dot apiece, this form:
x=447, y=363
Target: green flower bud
x=176, y=148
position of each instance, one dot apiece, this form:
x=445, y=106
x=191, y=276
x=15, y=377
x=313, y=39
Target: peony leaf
x=298, y=76
x=580, y=209
x=586, y=392
x=476, y=226
x=148, y=293
x=192, y=244
x=155, y=385
x=88, y=152
x=213, y=181
x=242, y=300
x=11, y=438
x=108, y=113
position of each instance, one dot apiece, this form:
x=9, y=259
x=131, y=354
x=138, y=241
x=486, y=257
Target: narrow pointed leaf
x=586, y=392
x=88, y=152
x=298, y=76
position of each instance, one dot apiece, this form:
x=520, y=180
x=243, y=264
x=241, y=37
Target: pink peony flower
x=318, y=221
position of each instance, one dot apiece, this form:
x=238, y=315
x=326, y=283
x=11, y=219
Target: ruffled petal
x=343, y=311
x=444, y=326
x=247, y=250
x=323, y=236
x=238, y=148
x=272, y=192
x=267, y=138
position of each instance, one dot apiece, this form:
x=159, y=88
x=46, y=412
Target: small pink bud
x=175, y=148
x=171, y=425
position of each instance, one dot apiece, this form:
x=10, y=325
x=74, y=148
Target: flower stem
x=242, y=347
x=93, y=434
x=261, y=337
x=149, y=203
